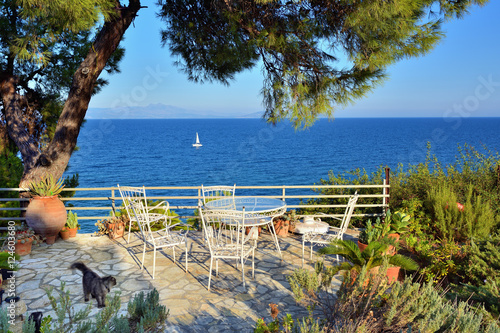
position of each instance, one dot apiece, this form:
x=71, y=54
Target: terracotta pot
x=362, y=246
x=393, y=273
x=24, y=248
x=291, y=228
x=116, y=230
x=281, y=228
x=72, y=232
x=46, y=216
x=247, y=230
x=64, y=233
x=392, y=250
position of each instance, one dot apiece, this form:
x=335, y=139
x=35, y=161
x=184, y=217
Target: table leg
x=275, y=237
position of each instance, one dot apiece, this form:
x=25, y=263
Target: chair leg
x=210, y=272
x=303, y=246
x=311, y=258
x=129, y=230
x=253, y=264
x=173, y=250
x=217, y=267
x=243, y=273
x=186, y=256
x=143, y=254
x=154, y=262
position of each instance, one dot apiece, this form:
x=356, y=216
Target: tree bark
x=54, y=159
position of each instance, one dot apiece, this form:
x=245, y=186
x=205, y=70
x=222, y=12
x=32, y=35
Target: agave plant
x=373, y=256
x=46, y=187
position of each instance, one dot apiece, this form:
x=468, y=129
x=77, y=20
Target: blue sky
x=460, y=77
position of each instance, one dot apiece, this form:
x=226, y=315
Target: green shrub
x=146, y=312
x=475, y=219
x=358, y=306
x=353, y=177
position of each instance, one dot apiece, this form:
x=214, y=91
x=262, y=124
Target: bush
x=475, y=220
x=145, y=312
x=377, y=307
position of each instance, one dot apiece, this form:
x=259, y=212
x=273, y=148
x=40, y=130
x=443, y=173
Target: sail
x=197, y=143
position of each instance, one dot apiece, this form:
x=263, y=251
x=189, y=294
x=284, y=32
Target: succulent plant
x=46, y=187
x=72, y=221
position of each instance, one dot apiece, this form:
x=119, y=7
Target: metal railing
x=186, y=198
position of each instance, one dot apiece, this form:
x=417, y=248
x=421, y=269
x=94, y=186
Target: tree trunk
x=54, y=159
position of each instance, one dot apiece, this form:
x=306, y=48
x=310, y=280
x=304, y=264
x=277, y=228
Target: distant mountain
x=159, y=111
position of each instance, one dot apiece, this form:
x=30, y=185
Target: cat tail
x=80, y=265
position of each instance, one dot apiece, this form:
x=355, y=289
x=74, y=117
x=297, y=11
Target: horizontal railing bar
x=199, y=198
x=68, y=189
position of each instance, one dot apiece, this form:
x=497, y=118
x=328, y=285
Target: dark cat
x=94, y=285
x=36, y=317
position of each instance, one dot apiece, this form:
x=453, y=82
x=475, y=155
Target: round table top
x=250, y=204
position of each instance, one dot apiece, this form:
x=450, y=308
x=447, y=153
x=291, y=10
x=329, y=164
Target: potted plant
x=72, y=224
x=373, y=256
x=293, y=220
x=399, y=223
x=46, y=213
x=25, y=238
x=380, y=231
x=281, y=225
x=114, y=227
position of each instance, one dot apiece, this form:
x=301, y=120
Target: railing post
x=113, y=202
x=387, y=181
x=283, y=193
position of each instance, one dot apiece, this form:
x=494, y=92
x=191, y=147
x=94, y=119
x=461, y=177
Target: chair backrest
x=224, y=232
x=132, y=196
x=135, y=202
x=348, y=212
x=218, y=192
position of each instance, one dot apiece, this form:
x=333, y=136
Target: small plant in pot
x=399, y=223
x=293, y=220
x=380, y=231
x=71, y=227
x=114, y=227
x=373, y=256
x=46, y=213
x=25, y=238
x=281, y=225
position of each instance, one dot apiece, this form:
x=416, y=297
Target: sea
x=160, y=152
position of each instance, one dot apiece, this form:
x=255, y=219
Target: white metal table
x=256, y=211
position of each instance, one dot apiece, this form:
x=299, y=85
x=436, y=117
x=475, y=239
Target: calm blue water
x=251, y=152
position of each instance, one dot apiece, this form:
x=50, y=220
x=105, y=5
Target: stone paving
x=193, y=308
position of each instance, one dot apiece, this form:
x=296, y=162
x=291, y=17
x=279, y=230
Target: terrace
x=192, y=308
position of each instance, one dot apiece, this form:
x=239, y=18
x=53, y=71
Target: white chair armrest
x=163, y=203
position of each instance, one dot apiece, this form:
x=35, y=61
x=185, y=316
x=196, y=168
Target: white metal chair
x=320, y=238
x=219, y=192
x=135, y=195
x=224, y=234
x=163, y=238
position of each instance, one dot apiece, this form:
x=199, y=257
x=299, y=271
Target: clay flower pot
x=362, y=246
x=46, y=216
x=281, y=228
x=64, y=233
x=72, y=231
x=24, y=248
x=116, y=229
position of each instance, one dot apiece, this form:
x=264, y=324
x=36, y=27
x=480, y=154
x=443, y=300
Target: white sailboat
x=197, y=144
